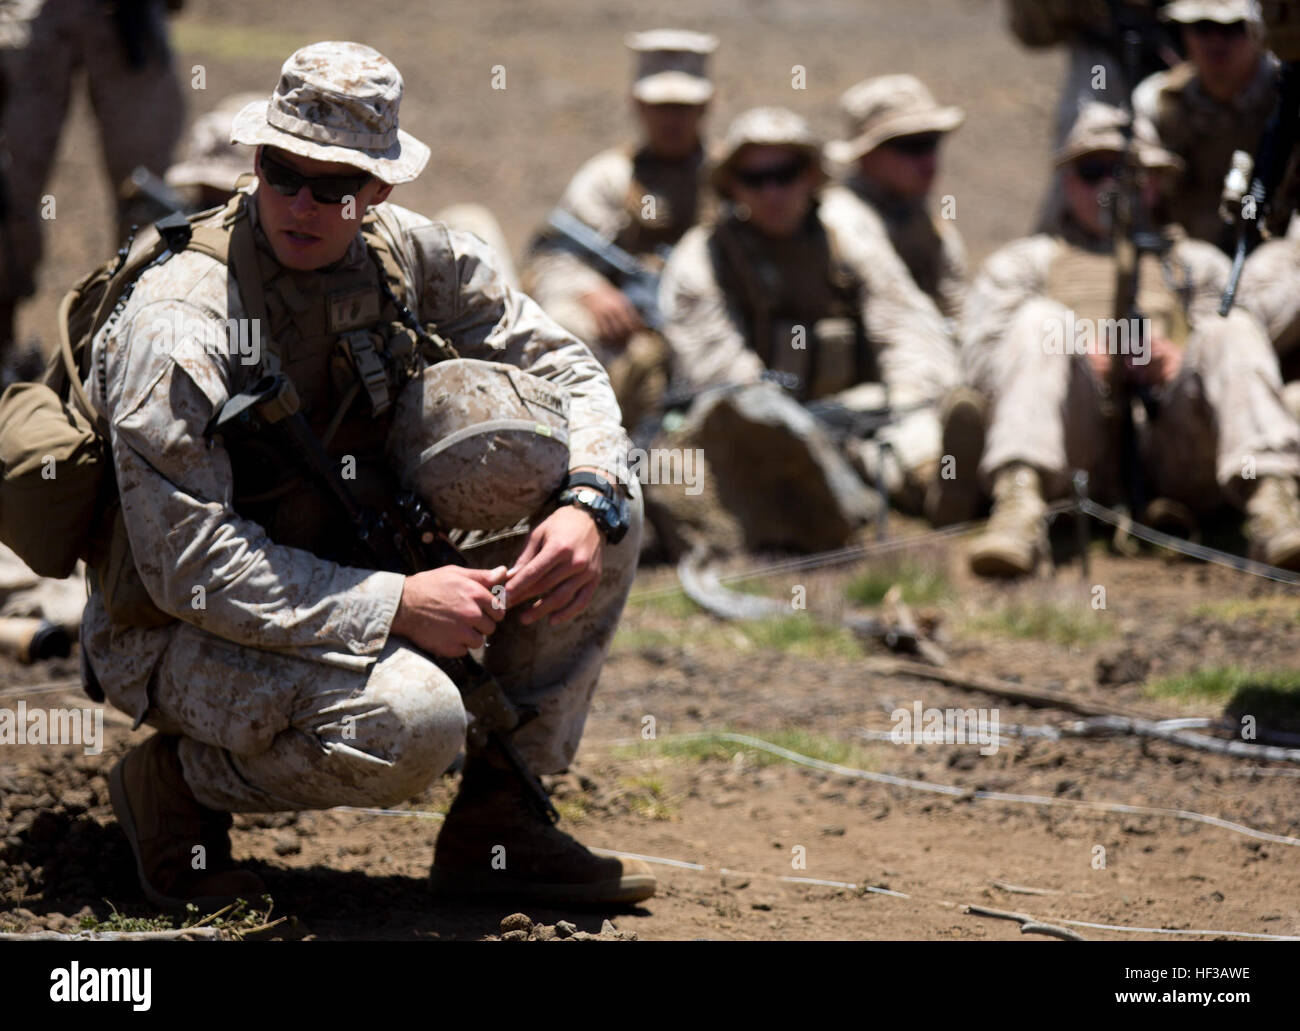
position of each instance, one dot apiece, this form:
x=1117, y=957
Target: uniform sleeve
x=1269, y=291
x=917, y=357
x=708, y=346
x=1013, y=275
x=1207, y=269
x=954, y=275
x=462, y=291
x=199, y=561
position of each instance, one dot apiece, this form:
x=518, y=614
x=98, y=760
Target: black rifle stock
x=639, y=284
x=408, y=545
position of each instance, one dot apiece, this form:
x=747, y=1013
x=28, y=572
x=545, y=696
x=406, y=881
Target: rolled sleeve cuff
x=370, y=612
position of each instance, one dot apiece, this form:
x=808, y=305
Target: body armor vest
x=339, y=335
x=1084, y=281
x=799, y=304
x=914, y=236
x=1204, y=133
x=664, y=199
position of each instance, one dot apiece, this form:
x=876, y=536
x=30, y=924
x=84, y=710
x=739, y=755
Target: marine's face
x=906, y=166
x=672, y=131
x=1222, y=52
x=775, y=185
x=1090, y=182
x=306, y=232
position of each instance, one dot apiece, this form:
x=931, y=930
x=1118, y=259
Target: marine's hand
x=451, y=609
x=557, y=572
x=1165, y=360
x=616, y=318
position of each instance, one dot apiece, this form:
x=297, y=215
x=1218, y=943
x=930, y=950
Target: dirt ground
x=720, y=805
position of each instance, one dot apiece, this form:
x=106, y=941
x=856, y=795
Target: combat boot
x=494, y=845
x=953, y=496
x=1273, y=522
x=1016, y=536
x=164, y=822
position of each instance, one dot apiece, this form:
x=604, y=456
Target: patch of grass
x=219, y=40
x=1223, y=683
x=118, y=922
x=1273, y=611
x=648, y=797
x=573, y=809
x=670, y=603
x=800, y=634
x=1061, y=624
x=711, y=747
x=921, y=584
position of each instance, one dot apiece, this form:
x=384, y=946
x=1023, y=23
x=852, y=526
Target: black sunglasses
x=325, y=189
x=1205, y=27
x=779, y=175
x=1093, y=172
x=916, y=145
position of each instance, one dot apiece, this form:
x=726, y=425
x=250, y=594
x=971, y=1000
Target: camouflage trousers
x=1219, y=420
x=266, y=731
x=139, y=111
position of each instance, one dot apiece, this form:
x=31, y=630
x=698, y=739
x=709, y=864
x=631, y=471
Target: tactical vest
x=663, y=200
x=1084, y=282
x=1204, y=133
x=799, y=303
x=348, y=343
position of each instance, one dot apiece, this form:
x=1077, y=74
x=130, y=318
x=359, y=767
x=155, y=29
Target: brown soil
x=357, y=875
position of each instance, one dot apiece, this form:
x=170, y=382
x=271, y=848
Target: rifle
x=1132, y=238
x=144, y=184
x=638, y=283
x=1265, y=171
x=408, y=544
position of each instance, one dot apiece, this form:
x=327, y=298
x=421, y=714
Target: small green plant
x=1061, y=624
x=920, y=583
x=716, y=747
x=1222, y=683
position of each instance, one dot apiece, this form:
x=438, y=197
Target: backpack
x=58, y=493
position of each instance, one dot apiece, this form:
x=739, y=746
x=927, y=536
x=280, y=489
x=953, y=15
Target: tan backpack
x=56, y=478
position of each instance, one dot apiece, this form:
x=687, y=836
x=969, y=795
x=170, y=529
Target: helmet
x=483, y=445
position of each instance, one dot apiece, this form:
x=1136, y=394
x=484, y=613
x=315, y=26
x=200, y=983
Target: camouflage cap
x=885, y=108
x=1100, y=127
x=208, y=156
x=336, y=102
x=1225, y=12
x=764, y=127
x=672, y=66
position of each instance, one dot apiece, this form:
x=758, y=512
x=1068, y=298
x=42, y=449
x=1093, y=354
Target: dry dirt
x=361, y=875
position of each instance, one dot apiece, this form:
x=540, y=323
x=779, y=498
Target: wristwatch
x=596, y=496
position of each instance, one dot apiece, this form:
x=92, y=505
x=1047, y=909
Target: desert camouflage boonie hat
x=1225, y=12
x=336, y=102
x=1100, y=127
x=884, y=108
x=672, y=66
x=764, y=127
x=209, y=158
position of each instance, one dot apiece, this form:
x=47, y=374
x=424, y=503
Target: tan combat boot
x=494, y=845
x=1273, y=522
x=164, y=822
x=953, y=496
x=1016, y=536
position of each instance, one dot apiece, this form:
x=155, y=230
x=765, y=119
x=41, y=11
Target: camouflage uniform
x=283, y=680
x=136, y=100
x=1220, y=418
x=1204, y=131
x=735, y=301
x=1094, y=71
x=886, y=108
x=640, y=202
x=1269, y=291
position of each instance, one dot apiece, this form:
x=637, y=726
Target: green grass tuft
x=920, y=583
x=1222, y=683
x=1061, y=624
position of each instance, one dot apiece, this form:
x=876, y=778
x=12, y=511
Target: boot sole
x=126, y=819
x=466, y=886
